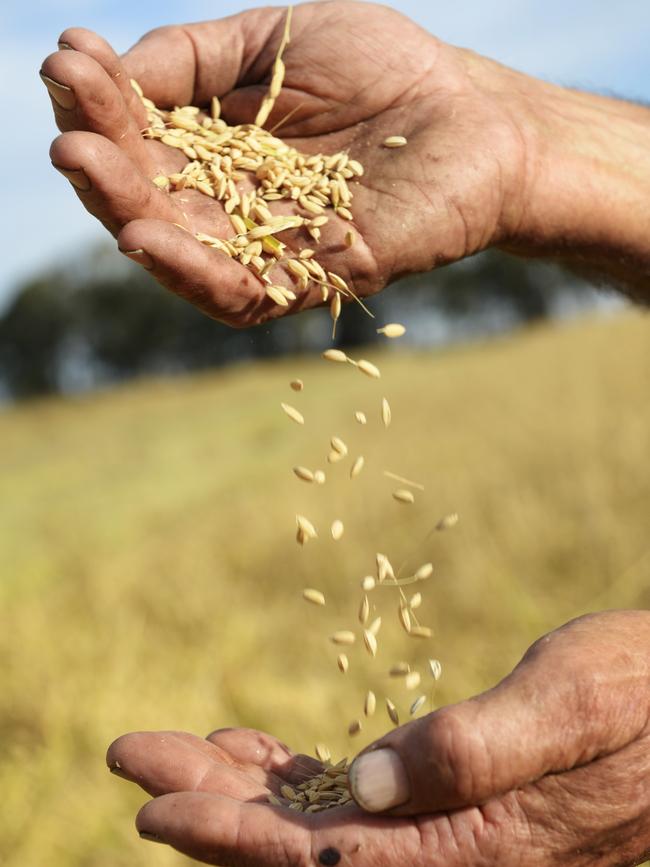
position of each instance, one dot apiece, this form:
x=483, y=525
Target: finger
x=188, y=64
x=214, y=283
x=90, y=43
x=162, y=762
x=222, y=831
x=108, y=182
x=578, y=693
x=84, y=97
x=252, y=747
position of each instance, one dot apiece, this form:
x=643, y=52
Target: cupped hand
x=549, y=768
x=355, y=74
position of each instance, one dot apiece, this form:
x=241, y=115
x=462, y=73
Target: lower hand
x=552, y=767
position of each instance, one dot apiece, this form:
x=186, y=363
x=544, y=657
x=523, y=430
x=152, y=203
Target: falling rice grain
x=370, y=642
x=364, y=611
x=356, y=467
x=405, y=619
x=304, y=474
x=335, y=311
x=349, y=239
x=386, y=414
x=370, y=703
x=417, y=704
x=403, y=496
x=425, y=571
x=435, y=667
x=368, y=368
x=342, y=662
x=306, y=529
x=375, y=626
x=319, y=477
x=313, y=596
x=368, y=583
x=343, y=636
x=447, y=522
x=384, y=568
x=360, y=417
x=355, y=727
x=297, y=384
x=415, y=601
x=392, y=712
x=399, y=669
x=393, y=329
x=293, y=413
x=412, y=680
x=421, y=632
x=334, y=355
x=337, y=530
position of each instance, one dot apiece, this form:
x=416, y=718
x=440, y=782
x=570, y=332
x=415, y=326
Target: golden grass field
x=150, y=579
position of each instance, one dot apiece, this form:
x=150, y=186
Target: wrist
x=585, y=196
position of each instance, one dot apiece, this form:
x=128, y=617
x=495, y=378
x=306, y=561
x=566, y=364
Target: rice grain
x=313, y=596
x=304, y=474
x=403, y=496
x=293, y=413
x=357, y=467
x=343, y=636
x=395, y=141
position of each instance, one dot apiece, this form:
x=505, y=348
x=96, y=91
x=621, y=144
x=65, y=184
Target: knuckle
x=166, y=30
x=461, y=759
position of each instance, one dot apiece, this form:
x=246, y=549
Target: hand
x=549, y=768
x=355, y=74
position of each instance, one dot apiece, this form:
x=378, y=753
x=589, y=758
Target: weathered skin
x=552, y=767
x=493, y=157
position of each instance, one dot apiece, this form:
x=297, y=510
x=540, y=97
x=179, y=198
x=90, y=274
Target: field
x=149, y=577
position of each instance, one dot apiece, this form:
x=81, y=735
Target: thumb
x=578, y=693
x=190, y=63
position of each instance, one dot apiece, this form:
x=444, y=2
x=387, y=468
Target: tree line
x=99, y=320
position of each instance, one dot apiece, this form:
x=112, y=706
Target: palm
x=210, y=802
x=355, y=74
x=211, y=797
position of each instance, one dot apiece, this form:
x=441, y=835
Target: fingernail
x=64, y=46
x=117, y=770
x=141, y=257
x=78, y=178
x=152, y=837
x=62, y=95
x=378, y=781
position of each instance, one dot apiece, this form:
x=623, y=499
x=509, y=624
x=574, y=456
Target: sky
x=591, y=44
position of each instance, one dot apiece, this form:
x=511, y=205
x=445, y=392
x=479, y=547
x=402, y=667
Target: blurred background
x=148, y=577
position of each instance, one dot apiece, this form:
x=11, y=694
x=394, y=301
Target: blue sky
x=592, y=44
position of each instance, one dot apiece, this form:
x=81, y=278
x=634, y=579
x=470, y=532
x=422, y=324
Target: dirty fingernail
x=64, y=46
x=62, y=95
x=141, y=257
x=378, y=781
x=77, y=177
x=117, y=770
x=152, y=837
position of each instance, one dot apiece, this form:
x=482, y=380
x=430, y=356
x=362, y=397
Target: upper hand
x=355, y=73
x=549, y=768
